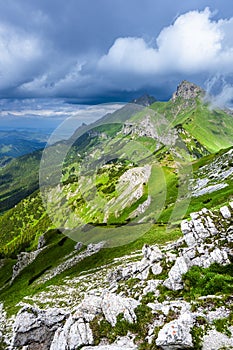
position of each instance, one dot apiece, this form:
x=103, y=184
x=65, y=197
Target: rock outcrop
x=55, y=329
x=207, y=239
x=176, y=334
x=24, y=259
x=152, y=256
x=188, y=91
x=77, y=332
x=36, y=328
x=145, y=100
x=208, y=242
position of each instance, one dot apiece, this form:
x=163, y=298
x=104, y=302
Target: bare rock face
x=208, y=243
x=41, y=242
x=24, y=259
x=187, y=91
x=77, y=332
x=36, y=328
x=145, y=100
x=174, y=280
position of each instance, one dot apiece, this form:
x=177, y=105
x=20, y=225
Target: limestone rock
x=41, y=242
x=77, y=332
x=78, y=246
x=176, y=334
x=152, y=286
x=178, y=307
x=216, y=340
x=187, y=91
x=112, y=305
x=36, y=328
x=174, y=280
x=24, y=259
x=225, y=212
x=156, y=269
x=199, y=228
x=141, y=269
x=152, y=253
x=152, y=256
x=95, y=247
x=121, y=343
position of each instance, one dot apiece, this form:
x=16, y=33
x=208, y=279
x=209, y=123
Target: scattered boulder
x=176, y=334
x=78, y=246
x=77, y=331
x=41, y=242
x=35, y=327
x=174, y=280
x=216, y=340
x=113, y=305
x=225, y=212
x=152, y=254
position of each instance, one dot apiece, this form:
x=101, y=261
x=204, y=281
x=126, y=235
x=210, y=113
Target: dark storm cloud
x=96, y=50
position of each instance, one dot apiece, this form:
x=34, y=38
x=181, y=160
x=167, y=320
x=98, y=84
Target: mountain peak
x=144, y=100
x=187, y=91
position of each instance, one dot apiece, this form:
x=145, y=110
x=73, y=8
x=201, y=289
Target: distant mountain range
x=17, y=143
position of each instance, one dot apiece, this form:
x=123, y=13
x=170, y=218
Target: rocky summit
x=127, y=240
x=188, y=91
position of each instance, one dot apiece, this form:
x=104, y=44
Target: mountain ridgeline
x=137, y=165
x=128, y=179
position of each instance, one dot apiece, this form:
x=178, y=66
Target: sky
x=94, y=51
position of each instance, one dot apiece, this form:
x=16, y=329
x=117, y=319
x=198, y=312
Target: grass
x=23, y=284
x=111, y=154
x=216, y=279
x=103, y=329
x=26, y=283
x=19, y=178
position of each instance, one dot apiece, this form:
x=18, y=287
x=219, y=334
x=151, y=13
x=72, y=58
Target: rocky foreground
x=146, y=302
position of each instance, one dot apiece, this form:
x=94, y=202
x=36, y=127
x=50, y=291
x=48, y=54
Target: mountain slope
x=125, y=181
x=124, y=173
x=17, y=143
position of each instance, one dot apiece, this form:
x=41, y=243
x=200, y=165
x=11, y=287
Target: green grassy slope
x=18, y=179
x=100, y=176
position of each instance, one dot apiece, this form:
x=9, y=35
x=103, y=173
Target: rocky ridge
x=188, y=91
x=155, y=284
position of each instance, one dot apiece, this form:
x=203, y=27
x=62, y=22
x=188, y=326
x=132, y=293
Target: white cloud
x=193, y=44
x=194, y=47
x=130, y=54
